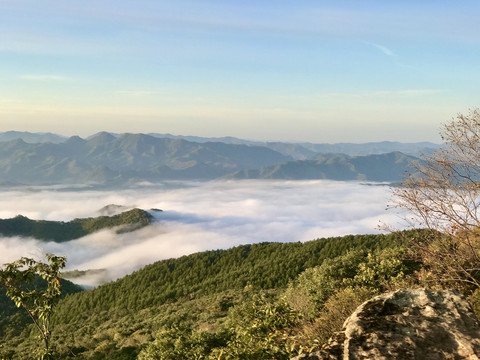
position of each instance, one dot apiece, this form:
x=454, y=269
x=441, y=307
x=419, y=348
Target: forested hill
x=63, y=231
x=123, y=316
x=262, y=266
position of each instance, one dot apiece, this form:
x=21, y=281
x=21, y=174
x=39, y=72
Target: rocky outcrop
x=407, y=324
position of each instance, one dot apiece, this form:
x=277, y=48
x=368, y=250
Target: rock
x=113, y=209
x=407, y=324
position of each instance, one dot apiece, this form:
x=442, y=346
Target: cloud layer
x=196, y=217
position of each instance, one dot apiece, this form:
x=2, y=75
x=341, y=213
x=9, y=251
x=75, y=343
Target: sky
x=197, y=217
x=303, y=70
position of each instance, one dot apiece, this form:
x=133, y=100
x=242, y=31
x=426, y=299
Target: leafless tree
x=442, y=194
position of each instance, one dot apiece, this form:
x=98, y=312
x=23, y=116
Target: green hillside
x=60, y=231
x=199, y=292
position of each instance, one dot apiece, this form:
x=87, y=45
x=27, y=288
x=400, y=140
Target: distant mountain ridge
x=32, y=137
x=383, y=168
x=118, y=159
x=106, y=159
x=303, y=149
x=372, y=148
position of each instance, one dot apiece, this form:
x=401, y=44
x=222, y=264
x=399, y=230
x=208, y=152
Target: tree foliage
x=261, y=328
x=38, y=304
x=377, y=271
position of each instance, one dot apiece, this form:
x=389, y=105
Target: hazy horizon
x=340, y=71
x=206, y=137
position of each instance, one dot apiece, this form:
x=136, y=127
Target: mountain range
x=391, y=166
x=119, y=159
x=32, y=137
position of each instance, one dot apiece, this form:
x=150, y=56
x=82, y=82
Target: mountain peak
x=32, y=138
x=75, y=140
x=102, y=137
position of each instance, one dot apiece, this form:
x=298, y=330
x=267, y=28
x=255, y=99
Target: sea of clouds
x=196, y=217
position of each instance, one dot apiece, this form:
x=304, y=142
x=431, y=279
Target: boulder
x=407, y=324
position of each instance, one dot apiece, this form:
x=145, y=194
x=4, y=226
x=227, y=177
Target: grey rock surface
x=407, y=324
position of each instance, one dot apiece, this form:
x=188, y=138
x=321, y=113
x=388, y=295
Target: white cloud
x=197, y=217
x=383, y=49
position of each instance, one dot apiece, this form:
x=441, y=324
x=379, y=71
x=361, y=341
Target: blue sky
x=320, y=71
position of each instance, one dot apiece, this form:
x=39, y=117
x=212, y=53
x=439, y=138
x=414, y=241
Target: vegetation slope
x=60, y=231
x=245, y=302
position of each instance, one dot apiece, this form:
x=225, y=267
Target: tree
x=39, y=301
x=443, y=196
